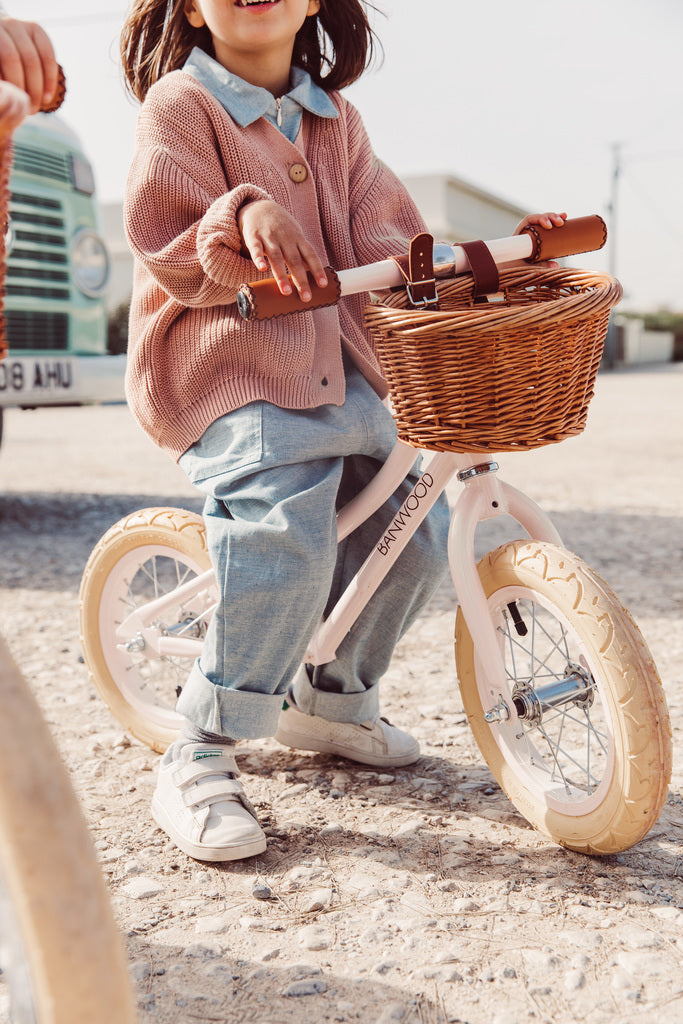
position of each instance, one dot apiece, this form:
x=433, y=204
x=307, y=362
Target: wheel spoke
x=566, y=739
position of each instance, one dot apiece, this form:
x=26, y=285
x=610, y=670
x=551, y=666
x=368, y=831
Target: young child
x=248, y=157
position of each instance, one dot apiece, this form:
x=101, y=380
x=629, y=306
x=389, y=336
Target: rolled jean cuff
x=352, y=708
x=238, y=714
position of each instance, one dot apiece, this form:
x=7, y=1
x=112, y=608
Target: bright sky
x=527, y=100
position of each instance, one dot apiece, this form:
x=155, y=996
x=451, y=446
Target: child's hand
x=272, y=236
x=27, y=60
x=547, y=221
x=14, y=107
x=544, y=220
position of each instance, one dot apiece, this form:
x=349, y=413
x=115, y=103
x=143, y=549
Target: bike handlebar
x=262, y=300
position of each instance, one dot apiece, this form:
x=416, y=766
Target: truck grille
x=31, y=160
x=43, y=331
x=38, y=263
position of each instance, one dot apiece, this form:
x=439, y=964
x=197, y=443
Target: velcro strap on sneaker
x=211, y=792
x=194, y=771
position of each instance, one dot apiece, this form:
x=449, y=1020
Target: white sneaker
x=200, y=804
x=376, y=742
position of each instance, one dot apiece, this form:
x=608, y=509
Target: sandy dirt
x=412, y=895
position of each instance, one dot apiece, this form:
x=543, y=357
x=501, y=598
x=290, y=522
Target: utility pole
x=613, y=207
x=610, y=353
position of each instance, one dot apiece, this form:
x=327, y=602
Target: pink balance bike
x=481, y=356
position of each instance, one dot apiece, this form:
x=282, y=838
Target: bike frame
x=484, y=496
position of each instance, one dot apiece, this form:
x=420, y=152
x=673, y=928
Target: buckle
x=422, y=303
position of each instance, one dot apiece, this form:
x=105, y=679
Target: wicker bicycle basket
x=514, y=373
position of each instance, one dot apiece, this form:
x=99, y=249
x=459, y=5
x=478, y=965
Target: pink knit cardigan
x=191, y=357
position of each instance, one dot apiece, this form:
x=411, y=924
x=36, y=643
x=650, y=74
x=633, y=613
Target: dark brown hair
x=335, y=46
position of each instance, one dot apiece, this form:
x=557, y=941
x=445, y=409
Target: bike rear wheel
x=579, y=735
x=62, y=955
x=145, y=556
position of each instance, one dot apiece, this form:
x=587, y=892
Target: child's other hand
x=272, y=237
x=27, y=60
x=14, y=107
x=544, y=220
x=547, y=221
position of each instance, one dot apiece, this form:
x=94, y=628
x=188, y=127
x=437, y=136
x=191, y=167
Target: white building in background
x=455, y=211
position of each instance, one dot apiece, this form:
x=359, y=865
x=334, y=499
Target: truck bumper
x=31, y=381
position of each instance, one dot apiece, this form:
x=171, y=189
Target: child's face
x=242, y=29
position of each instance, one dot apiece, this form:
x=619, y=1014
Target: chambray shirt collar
x=246, y=103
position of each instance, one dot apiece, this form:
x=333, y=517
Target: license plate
x=42, y=378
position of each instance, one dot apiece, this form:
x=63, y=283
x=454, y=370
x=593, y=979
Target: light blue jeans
x=274, y=479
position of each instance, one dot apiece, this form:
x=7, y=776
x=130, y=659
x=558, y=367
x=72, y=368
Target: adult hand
x=14, y=107
x=27, y=60
x=273, y=238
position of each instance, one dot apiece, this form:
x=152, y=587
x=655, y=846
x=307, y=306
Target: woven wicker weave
x=510, y=374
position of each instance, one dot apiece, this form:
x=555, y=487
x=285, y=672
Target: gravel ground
x=415, y=895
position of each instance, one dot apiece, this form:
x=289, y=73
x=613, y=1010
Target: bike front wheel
x=60, y=951
x=578, y=735
x=144, y=557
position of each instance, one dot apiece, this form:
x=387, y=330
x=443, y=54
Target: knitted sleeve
x=383, y=215
x=180, y=213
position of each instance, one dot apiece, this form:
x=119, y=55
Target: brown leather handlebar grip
x=59, y=94
x=263, y=300
x=581, y=234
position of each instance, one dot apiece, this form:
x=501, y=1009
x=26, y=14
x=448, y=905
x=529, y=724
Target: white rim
x=133, y=673
x=572, y=753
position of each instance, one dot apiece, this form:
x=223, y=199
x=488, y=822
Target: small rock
x=270, y=954
x=142, y=888
x=639, y=938
x=292, y=791
x=574, y=981
x=331, y=829
x=140, y=970
x=261, y=891
x=642, y=965
x=319, y=899
x=132, y=867
x=212, y=924
x=306, y=987
x=203, y=950
x=383, y=967
x=464, y=905
x=394, y=1013
x=315, y=937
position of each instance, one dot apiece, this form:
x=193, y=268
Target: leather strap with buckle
x=417, y=269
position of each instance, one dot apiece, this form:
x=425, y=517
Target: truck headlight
x=89, y=262
x=82, y=176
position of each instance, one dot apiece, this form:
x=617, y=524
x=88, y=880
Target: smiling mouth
x=256, y=3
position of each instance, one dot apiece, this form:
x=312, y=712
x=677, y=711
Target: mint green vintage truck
x=57, y=272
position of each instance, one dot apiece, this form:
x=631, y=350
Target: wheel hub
x=577, y=687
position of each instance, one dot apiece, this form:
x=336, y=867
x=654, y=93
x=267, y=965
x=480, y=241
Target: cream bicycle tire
x=628, y=736
x=69, y=940
x=143, y=555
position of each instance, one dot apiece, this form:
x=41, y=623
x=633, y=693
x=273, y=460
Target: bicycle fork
x=485, y=496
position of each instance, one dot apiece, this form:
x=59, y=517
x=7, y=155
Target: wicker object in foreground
x=510, y=374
